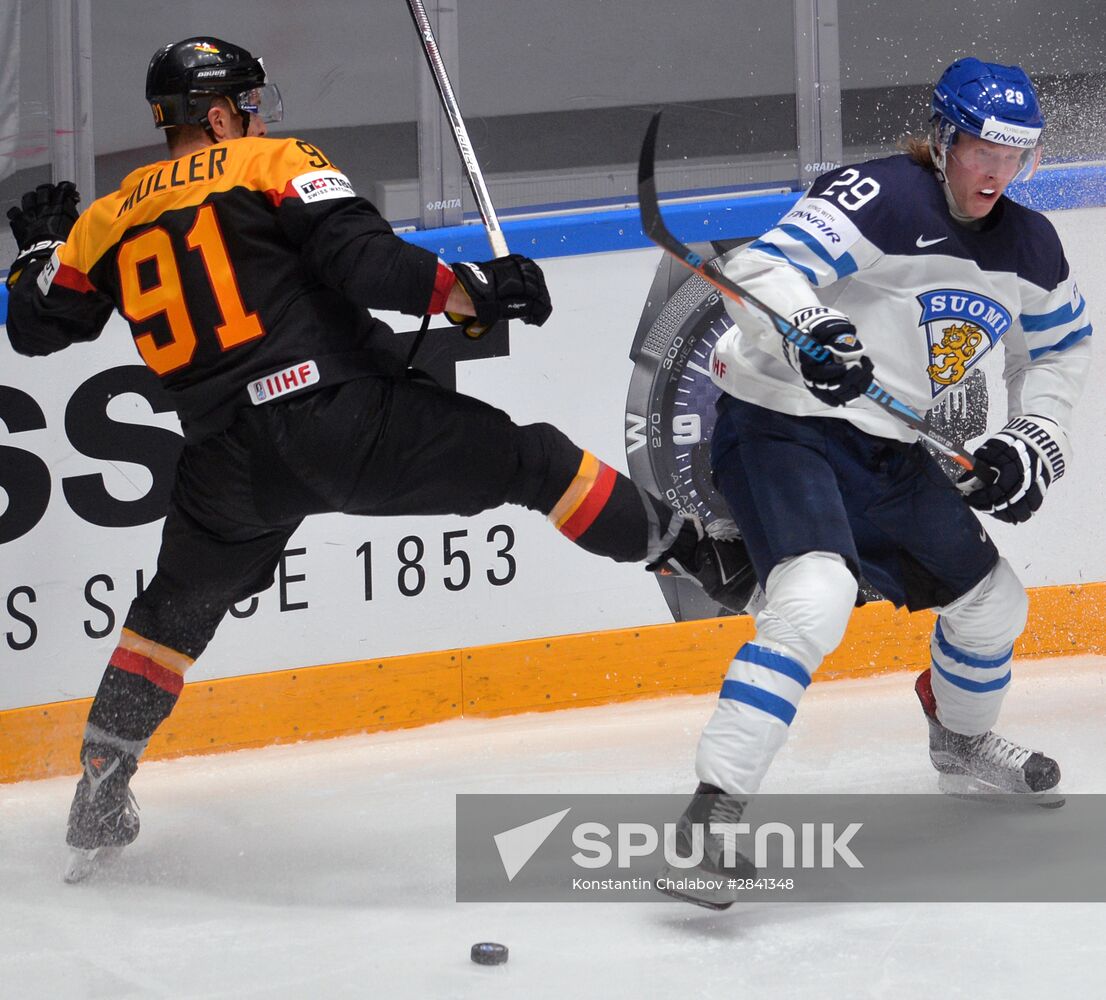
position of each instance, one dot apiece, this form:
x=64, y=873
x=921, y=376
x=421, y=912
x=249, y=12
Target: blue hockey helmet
x=993, y=102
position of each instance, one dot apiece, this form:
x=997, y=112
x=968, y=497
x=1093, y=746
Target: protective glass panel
x=26, y=123
x=345, y=71
x=892, y=54
x=558, y=106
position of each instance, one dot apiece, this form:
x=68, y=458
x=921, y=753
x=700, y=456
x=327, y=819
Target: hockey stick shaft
x=460, y=133
x=658, y=232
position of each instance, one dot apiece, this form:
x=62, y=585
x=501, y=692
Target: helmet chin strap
x=954, y=209
x=245, y=116
x=939, y=146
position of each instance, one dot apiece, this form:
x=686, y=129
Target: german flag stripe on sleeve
x=585, y=497
x=71, y=277
x=160, y=665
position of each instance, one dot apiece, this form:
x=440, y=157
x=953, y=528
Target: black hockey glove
x=720, y=565
x=511, y=287
x=1025, y=458
x=42, y=222
x=846, y=372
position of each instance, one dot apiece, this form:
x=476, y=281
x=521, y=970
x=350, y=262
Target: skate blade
x=669, y=881
x=83, y=862
x=964, y=786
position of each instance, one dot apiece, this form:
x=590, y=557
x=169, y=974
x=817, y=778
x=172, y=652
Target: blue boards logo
x=961, y=327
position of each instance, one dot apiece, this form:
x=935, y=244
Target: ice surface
x=327, y=869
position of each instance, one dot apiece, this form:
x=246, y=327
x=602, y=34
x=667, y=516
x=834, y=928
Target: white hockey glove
x=846, y=372
x=1026, y=458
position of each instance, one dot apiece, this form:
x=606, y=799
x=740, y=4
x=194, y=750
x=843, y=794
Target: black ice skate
x=705, y=884
x=985, y=764
x=720, y=566
x=104, y=816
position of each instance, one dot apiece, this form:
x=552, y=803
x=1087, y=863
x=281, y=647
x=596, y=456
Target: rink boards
x=528, y=676
x=377, y=624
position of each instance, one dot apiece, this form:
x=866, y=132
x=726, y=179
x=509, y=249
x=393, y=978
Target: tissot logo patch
x=961, y=327
x=321, y=185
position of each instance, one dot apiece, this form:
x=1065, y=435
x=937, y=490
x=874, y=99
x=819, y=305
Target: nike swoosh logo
x=921, y=242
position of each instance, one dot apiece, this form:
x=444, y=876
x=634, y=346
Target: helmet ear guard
x=942, y=134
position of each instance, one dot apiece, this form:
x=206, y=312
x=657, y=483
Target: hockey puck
x=488, y=953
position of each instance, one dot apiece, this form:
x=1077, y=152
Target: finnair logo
x=1007, y=134
x=812, y=220
x=519, y=844
x=822, y=220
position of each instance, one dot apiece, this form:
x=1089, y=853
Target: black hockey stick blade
x=653, y=226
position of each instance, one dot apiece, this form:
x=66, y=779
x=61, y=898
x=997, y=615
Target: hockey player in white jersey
x=910, y=269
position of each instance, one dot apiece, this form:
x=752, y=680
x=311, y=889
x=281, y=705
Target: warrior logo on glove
x=1024, y=457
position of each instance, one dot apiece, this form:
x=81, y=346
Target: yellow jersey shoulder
x=278, y=168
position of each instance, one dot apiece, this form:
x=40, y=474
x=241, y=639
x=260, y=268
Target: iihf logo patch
x=961, y=327
x=292, y=379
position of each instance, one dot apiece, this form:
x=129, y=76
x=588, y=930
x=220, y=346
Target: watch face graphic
x=670, y=411
x=670, y=408
x=670, y=436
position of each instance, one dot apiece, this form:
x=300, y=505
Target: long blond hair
x=917, y=147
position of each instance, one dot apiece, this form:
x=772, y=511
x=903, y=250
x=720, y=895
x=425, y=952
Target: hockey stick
x=460, y=133
x=655, y=229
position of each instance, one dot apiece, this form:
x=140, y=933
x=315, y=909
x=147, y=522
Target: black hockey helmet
x=184, y=77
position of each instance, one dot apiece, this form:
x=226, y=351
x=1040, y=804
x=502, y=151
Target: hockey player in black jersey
x=245, y=267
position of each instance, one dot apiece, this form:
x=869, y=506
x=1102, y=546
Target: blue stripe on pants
x=773, y=704
x=976, y=687
x=762, y=657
